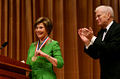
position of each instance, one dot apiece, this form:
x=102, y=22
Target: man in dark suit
x=106, y=46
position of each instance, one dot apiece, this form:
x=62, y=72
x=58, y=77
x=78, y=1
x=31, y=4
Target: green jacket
x=42, y=68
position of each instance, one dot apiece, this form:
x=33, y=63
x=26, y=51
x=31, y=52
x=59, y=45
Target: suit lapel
x=100, y=35
x=110, y=30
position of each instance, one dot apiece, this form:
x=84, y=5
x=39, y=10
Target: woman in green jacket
x=44, y=53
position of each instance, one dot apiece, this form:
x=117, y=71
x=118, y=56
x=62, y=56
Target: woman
x=44, y=53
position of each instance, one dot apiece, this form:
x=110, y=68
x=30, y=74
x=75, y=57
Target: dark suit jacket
x=108, y=51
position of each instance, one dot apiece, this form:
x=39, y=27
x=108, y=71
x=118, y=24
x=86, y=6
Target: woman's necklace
x=34, y=58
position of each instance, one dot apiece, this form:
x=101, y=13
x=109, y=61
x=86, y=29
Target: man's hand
x=86, y=35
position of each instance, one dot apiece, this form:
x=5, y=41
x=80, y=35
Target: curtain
x=17, y=18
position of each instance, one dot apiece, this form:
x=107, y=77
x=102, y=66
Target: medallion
x=34, y=58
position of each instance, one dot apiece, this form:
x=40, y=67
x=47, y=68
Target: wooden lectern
x=13, y=69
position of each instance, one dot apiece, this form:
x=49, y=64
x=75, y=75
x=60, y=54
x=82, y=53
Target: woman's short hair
x=46, y=22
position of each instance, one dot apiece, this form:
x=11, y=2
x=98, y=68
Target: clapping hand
x=86, y=35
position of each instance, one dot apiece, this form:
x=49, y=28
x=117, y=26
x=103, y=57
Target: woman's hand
x=49, y=58
x=40, y=53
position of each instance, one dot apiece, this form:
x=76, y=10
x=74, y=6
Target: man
x=106, y=46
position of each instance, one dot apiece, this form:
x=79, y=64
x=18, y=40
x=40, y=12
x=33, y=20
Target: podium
x=13, y=69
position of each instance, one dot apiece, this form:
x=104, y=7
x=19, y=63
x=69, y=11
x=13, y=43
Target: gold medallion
x=34, y=58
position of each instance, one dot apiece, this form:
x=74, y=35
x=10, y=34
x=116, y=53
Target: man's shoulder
x=116, y=24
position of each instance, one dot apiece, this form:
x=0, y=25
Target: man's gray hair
x=106, y=9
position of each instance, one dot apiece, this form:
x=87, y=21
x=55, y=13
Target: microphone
x=3, y=45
